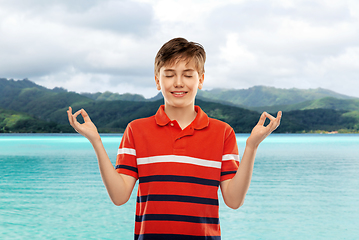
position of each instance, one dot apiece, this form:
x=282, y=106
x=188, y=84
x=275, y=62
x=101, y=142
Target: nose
x=178, y=82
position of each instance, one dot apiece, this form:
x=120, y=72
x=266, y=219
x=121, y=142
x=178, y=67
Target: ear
x=157, y=80
x=201, y=80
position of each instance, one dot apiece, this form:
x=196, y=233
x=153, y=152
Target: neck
x=183, y=115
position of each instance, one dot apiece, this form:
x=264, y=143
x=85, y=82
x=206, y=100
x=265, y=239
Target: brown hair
x=180, y=49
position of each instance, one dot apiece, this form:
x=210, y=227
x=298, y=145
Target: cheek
x=194, y=83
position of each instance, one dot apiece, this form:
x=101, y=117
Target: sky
x=110, y=45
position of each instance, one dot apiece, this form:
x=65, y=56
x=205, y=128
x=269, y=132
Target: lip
x=178, y=93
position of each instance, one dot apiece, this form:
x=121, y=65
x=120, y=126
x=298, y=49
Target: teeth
x=178, y=93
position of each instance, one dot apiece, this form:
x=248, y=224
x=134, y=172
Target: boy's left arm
x=234, y=190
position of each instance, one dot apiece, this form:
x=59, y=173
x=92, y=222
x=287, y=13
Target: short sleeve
x=126, y=162
x=230, y=157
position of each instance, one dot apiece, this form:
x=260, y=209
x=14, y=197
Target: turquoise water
x=303, y=187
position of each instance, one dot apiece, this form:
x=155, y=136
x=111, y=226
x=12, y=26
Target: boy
x=179, y=155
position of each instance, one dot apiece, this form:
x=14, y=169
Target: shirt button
x=172, y=124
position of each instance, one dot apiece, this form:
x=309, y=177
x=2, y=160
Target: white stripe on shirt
x=129, y=151
x=179, y=159
x=228, y=157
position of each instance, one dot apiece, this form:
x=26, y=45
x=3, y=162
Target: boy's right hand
x=86, y=129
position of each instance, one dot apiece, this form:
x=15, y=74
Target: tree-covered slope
x=109, y=96
x=43, y=109
x=325, y=103
x=25, y=96
x=17, y=122
x=268, y=96
x=312, y=120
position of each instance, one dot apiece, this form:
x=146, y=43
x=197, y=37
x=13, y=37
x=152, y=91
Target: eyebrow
x=186, y=70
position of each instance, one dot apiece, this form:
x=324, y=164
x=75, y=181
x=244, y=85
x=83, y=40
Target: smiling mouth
x=178, y=94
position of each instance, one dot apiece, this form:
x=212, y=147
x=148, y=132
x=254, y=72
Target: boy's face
x=179, y=84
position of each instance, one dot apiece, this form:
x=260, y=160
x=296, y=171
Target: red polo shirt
x=179, y=172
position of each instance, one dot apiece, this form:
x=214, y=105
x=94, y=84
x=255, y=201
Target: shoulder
x=218, y=124
x=220, y=128
x=141, y=127
x=142, y=122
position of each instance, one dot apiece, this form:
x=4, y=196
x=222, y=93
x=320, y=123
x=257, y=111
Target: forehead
x=180, y=64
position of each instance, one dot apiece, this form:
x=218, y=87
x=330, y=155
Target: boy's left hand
x=260, y=132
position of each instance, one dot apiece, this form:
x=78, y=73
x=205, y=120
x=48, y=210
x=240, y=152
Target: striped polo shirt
x=179, y=172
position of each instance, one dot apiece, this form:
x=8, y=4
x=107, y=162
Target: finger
x=279, y=117
x=262, y=119
x=85, y=116
x=69, y=115
x=271, y=118
x=77, y=113
x=73, y=121
x=274, y=124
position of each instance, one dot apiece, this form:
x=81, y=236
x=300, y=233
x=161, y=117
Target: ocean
x=304, y=186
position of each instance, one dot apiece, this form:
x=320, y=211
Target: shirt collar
x=201, y=121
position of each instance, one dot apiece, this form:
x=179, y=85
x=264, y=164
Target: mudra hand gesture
x=86, y=129
x=260, y=132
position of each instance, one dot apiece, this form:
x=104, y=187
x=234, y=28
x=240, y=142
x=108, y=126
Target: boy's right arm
x=119, y=186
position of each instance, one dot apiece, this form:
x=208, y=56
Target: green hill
x=115, y=115
x=109, y=96
x=32, y=108
x=17, y=122
x=318, y=120
x=267, y=96
x=109, y=116
x=325, y=103
x=25, y=96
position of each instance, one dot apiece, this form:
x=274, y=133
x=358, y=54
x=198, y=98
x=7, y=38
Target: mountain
x=325, y=103
x=35, y=100
x=267, y=96
x=109, y=116
x=28, y=107
x=109, y=96
x=12, y=121
x=113, y=116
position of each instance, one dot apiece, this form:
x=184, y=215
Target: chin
x=175, y=104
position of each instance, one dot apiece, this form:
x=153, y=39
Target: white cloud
x=278, y=42
x=110, y=45
x=51, y=50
